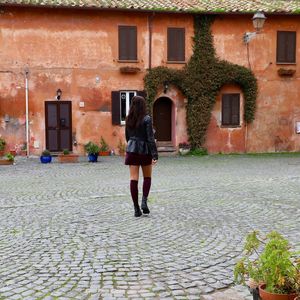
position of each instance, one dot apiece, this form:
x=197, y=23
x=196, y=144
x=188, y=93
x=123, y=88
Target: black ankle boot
x=137, y=211
x=144, y=206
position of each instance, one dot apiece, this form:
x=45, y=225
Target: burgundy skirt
x=136, y=159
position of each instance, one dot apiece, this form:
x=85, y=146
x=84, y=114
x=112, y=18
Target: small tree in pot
x=92, y=150
x=277, y=267
x=46, y=157
x=103, y=149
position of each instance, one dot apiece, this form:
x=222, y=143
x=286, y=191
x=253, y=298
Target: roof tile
x=224, y=6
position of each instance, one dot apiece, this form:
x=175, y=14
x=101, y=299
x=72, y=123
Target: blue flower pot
x=93, y=157
x=46, y=159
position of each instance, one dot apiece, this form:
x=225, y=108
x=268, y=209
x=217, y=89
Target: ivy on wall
x=201, y=80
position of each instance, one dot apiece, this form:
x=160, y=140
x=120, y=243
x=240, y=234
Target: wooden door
x=162, y=119
x=58, y=125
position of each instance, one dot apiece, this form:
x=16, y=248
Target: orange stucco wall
x=278, y=97
x=77, y=51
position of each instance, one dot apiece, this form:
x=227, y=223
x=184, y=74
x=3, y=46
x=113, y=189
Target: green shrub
x=46, y=153
x=2, y=144
x=103, y=145
x=277, y=266
x=66, y=152
x=91, y=148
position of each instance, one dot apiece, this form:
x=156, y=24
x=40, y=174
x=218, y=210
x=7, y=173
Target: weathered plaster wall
x=226, y=139
x=76, y=51
x=277, y=104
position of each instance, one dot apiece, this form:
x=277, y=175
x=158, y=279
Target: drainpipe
x=150, y=21
x=27, y=117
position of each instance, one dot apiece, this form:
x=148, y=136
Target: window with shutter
x=286, y=47
x=231, y=109
x=127, y=43
x=121, y=102
x=176, y=44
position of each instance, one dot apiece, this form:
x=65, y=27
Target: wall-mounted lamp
x=258, y=23
x=166, y=86
x=58, y=94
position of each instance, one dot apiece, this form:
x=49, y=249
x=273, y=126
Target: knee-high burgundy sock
x=146, y=186
x=134, y=192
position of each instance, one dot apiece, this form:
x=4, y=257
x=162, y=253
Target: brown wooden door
x=162, y=119
x=58, y=125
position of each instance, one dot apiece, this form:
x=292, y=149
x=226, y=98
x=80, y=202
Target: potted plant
x=2, y=146
x=46, y=157
x=184, y=148
x=92, y=150
x=103, y=149
x=7, y=160
x=67, y=157
x=23, y=150
x=270, y=262
x=121, y=148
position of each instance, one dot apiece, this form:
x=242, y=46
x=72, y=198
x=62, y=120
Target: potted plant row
x=67, y=157
x=270, y=263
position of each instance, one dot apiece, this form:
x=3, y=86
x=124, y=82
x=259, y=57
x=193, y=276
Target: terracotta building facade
x=97, y=59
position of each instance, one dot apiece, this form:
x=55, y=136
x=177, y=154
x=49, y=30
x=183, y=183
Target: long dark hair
x=137, y=112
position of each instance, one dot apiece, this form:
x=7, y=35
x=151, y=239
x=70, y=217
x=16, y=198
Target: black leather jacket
x=141, y=140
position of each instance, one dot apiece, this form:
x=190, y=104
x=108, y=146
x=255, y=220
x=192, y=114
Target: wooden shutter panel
x=127, y=43
x=235, y=109
x=226, y=111
x=132, y=40
x=176, y=44
x=122, y=43
x=181, y=44
x=171, y=44
x=141, y=93
x=286, y=47
x=291, y=47
x=280, y=47
x=115, y=108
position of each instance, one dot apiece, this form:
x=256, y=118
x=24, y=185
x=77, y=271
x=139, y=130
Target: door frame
x=58, y=118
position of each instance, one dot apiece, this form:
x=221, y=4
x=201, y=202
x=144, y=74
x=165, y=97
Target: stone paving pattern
x=67, y=231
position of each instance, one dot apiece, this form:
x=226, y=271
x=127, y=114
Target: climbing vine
x=201, y=80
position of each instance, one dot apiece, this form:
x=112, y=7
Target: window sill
x=127, y=61
x=285, y=63
x=231, y=126
x=175, y=62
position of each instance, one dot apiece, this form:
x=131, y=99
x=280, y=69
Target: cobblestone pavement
x=67, y=231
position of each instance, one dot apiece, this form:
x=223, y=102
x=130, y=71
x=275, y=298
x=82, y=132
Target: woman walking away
x=140, y=151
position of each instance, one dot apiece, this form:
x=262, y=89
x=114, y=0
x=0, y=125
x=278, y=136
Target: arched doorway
x=162, y=119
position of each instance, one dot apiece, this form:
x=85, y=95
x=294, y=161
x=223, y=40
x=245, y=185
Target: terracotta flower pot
x=264, y=295
x=104, y=153
x=6, y=162
x=67, y=158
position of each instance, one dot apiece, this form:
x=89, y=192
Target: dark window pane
x=176, y=44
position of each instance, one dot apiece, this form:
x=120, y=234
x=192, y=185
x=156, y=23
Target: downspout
x=150, y=21
x=26, y=114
